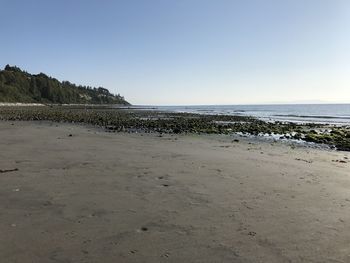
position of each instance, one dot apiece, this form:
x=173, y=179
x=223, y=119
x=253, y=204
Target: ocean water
x=300, y=113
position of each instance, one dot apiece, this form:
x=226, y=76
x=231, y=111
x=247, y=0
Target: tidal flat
x=75, y=193
x=129, y=119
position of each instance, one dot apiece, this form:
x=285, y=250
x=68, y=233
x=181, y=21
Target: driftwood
x=8, y=170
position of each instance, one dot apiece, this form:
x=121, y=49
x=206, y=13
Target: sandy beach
x=72, y=193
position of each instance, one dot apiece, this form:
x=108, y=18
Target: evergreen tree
x=19, y=86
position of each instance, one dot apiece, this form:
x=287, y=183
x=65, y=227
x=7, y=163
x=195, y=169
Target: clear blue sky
x=186, y=51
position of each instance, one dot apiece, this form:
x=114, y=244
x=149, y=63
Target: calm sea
x=301, y=113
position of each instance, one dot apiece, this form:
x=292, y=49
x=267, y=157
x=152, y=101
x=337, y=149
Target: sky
x=186, y=52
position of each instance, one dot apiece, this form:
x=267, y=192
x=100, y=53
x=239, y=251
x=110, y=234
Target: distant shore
x=13, y=104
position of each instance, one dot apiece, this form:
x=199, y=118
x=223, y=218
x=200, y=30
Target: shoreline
x=75, y=193
x=228, y=138
x=131, y=120
x=19, y=104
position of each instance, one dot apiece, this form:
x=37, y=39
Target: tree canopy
x=17, y=85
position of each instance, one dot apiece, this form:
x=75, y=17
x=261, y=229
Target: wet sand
x=106, y=197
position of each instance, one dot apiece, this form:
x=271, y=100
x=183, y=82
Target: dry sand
x=101, y=197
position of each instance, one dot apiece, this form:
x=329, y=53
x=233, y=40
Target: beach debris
x=303, y=160
x=165, y=255
x=165, y=185
x=339, y=161
x=70, y=135
x=8, y=170
x=252, y=233
x=144, y=229
x=244, y=203
x=235, y=140
x=16, y=190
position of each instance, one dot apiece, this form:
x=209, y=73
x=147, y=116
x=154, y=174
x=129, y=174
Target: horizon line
x=247, y=104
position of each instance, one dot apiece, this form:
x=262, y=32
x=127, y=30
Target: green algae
x=121, y=120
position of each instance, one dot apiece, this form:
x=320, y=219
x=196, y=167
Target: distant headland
x=19, y=86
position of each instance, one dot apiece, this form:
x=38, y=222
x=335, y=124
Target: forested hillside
x=17, y=85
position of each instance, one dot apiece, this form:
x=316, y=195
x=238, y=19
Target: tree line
x=17, y=85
